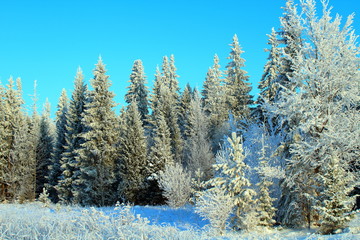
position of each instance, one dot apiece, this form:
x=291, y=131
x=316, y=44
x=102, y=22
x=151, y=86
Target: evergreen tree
x=334, y=206
x=59, y=146
x=12, y=128
x=237, y=87
x=165, y=101
x=268, y=84
x=160, y=156
x=199, y=156
x=214, y=100
x=230, y=176
x=185, y=100
x=265, y=207
x=44, y=150
x=133, y=155
x=137, y=91
x=74, y=130
x=98, y=153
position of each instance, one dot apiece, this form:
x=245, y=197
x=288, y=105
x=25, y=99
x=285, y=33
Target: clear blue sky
x=47, y=40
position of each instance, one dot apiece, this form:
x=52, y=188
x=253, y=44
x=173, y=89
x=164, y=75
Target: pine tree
x=133, y=155
x=44, y=150
x=98, y=153
x=237, y=87
x=137, y=91
x=74, y=130
x=59, y=146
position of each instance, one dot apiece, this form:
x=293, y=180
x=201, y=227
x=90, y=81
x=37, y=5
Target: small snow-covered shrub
x=44, y=198
x=216, y=206
x=176, y=183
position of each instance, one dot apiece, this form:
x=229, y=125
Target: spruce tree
x=198, y=152
x=214, y=102
x=12, y=127
x=137, y=91
x=97, y=156
x=160, y=155
x=268, y=84
x=44, y=150
x=165, y=101
x=133, y=155
x=185, y=100
x=230, y=176
x=74, y=130
x=237, y=86
x=59, y=146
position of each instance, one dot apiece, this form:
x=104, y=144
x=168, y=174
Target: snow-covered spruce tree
x=175, y=182
x=185, y=99
x=268, y=84
x=291, y=38
x=160, y=156
x=137, y=91
x=165, y=99
x=237, y=86
x=230, y=176
x=323, y=108
x=11, y=105
x=132, y=156
x=334, y=205
x=265, y=206
x=214, y=100
x=73, y=139
x=15, y=161
x=59, y=146
x=44, y=150
x=198, y=152
x=98, y=153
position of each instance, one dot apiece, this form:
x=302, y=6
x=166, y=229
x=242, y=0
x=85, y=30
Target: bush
x=176, y=184
x=216, y=206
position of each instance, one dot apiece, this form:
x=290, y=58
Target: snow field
x=33, y=221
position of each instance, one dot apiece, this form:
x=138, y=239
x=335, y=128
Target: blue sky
x=47, y=40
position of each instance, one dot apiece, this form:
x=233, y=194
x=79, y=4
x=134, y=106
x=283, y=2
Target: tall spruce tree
x=59, y=146
x=165, y=101
x=237, y=86
x=74, y=129
x=198, y=153
x=185, y=100
x=44, y=150
x=13, y=138
x=160, y=155
x=137, y=91
x=268, y=84
x=214, y=102
x=133, y=155
x=97, y=156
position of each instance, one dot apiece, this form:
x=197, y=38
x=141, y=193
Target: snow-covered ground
x=34, y=221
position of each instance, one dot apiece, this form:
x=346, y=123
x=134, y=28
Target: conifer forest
x=288, y=157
